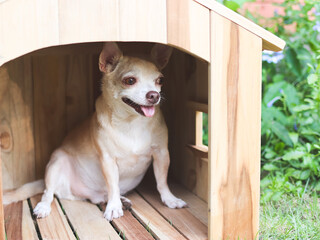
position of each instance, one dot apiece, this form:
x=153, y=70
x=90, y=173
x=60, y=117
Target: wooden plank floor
x=148, y=219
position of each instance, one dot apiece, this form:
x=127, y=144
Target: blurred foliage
x=205, y=129
x=291, y=104
x=234, y=5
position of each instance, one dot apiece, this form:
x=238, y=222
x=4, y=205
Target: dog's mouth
x=147, y=111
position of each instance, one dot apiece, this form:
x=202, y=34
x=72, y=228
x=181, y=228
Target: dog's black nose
x=153, y=97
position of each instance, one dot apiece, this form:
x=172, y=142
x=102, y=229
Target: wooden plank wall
x=16, y=110
x=49, y=78
x=201, y=79
x=234, y=134
x=185, y=79
x=41, y=99
x=66, y=22
x=183, y=20
x=175, y=22
x=178, y=118
x=62, y=100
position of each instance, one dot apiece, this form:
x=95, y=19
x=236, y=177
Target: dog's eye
x=129, y=81
x=159, y=81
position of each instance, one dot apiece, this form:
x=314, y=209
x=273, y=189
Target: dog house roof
x=26, y=26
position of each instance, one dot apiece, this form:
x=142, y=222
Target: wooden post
x=2, y=231
x=234, y=131
x=199, y=128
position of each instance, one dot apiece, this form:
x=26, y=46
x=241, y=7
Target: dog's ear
x=161, y=54
x=109, y=57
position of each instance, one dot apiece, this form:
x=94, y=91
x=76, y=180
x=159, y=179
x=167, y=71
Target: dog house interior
x=49, y=83
x=49, y=91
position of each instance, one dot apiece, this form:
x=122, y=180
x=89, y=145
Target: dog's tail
x=25, y=191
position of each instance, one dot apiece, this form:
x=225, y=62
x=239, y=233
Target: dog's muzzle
x=144, y=110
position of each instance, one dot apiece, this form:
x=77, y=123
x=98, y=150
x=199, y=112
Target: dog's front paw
x=113, y=210
x=173, y=202
x=42, y=210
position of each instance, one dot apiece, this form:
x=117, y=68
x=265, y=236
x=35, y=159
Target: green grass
x=291, y=218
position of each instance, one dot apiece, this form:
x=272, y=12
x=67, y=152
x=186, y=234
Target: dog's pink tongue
x=148, y=111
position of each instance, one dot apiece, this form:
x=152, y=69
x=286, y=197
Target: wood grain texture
x=184, y=24
x=187, y=79
x=201, y=91
x=184, y=19
x=18, y=222
x=63, y=97
x=44, y=24
x=49, y=75
x=177, y=89
x=16, y=123
x=187, y=224
x=200, y=151
x=130, y=228
x=79, y=90
x=124, y=20
x=160, y=227
x=36, y=22
x=269, y=40
x=141, y=20
x=13, y=221
x=201, y=104
x=196, y=206
x=63, y=22
x=202, y=189
x=28, y=227
x=54, y=226
x=197, y=106
x=234, y=131
x=88, y=21
x=88, y=221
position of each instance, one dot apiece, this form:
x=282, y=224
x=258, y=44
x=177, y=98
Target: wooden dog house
x=49, y=79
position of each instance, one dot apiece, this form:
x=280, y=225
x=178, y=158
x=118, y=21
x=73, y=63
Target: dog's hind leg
x=56, y=182
x=126, y=203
